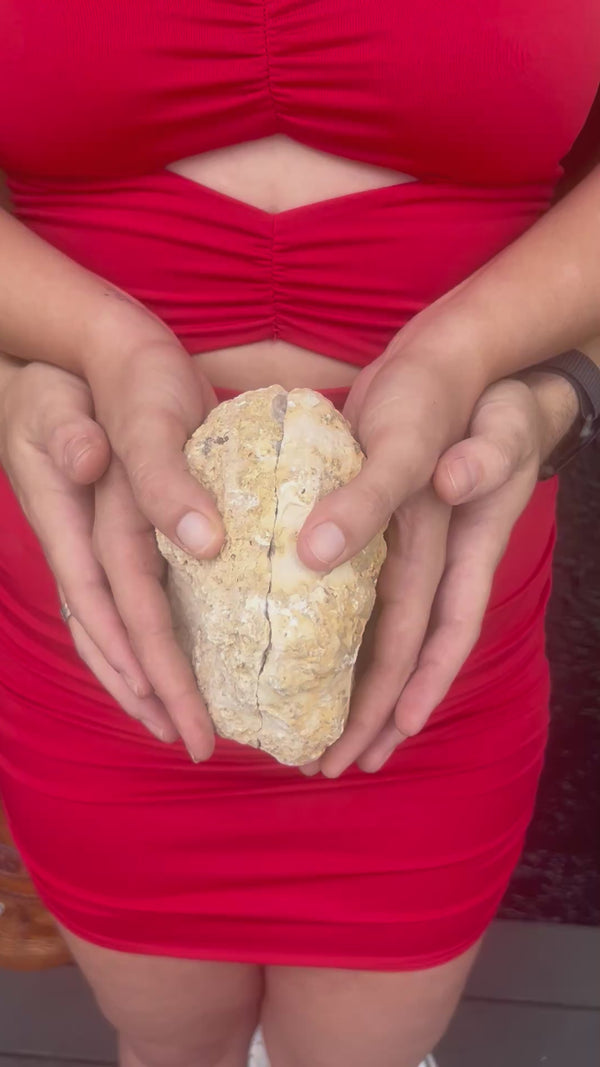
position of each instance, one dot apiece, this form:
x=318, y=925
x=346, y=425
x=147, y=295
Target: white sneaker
x=258, y=1054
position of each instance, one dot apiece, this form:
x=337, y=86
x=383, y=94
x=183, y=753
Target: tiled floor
x=533, y=999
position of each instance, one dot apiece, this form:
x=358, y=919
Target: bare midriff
x=276, y=174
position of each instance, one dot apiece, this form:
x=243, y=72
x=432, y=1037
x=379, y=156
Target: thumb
x=504, y=438
x=64, y=429
x=344, y=521
x=406, y=415
x=80, y=449
x=150, y=407
x=477, y=466
x=165, y=491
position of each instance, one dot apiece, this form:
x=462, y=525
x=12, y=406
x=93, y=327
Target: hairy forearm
x=558, y=405
x=55, y=311
x=557, y=399
x=538, y=297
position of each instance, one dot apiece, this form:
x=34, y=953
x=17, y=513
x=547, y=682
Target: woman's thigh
x=320, y=1017
x=173, y=1012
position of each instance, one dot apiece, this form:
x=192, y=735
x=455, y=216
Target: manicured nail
x=327, y=542
x=463, y=476
x=195, y=532
x=155, y=729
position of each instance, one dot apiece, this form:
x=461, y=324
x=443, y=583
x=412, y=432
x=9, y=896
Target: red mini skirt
x=134, y=847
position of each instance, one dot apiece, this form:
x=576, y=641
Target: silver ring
x=65, y=612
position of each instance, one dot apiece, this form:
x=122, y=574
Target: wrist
x=449, y=346
x=558, y=406
x=122, y=330
x=478, y=325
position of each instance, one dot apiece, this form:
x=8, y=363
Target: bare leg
x=173, y=1012
x=319, y=1017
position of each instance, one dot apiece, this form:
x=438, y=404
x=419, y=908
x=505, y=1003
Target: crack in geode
x=273, y=643
x=278, y=408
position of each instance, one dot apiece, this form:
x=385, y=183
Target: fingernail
x=309, y=770
x=463, y=476
x=374, y=768
x=194, y=758
x=195, y=532
x=155, y=729
x=327, y=542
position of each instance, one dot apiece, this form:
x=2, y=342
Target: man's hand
x=148, y=403
x=52, y=450
x=435, y=583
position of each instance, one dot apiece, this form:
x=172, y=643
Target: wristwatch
x=584, y=376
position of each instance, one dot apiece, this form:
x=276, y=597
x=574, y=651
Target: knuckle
x=147, y=483
x=83, y=594
x=151, y=636
x=524, y=434
x=167, y=424
x=153, y=630
x=128, y=430
x=360, y=722
x=158, y=489
x=515, y=450
x=365, y=722
x=507, y=455
x=462, y=630
x=376, y=499
x=68, y=438
x=178, y=693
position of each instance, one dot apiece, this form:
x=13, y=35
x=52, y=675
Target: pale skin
x=53, y=311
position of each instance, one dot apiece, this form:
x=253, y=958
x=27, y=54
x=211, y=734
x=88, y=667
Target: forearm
x=536, y=298
x=557, y=399
x=55, y=311
x=558, y=406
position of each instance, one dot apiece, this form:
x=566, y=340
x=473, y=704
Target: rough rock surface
x=273, y=644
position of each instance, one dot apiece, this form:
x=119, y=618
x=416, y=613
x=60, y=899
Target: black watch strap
x=584, y=376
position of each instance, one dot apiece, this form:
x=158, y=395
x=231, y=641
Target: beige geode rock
x=272, y=643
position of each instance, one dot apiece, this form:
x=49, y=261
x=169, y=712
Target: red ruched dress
x=130, y=844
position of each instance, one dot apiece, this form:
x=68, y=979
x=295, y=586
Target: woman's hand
x=52, y=450
x=405, y=410
x=435, y=583
x=150, y=396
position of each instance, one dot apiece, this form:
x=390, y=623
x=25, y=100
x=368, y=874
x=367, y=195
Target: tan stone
x=272, y=643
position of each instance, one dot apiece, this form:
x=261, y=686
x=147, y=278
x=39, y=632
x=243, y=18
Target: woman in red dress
x=354, y=198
